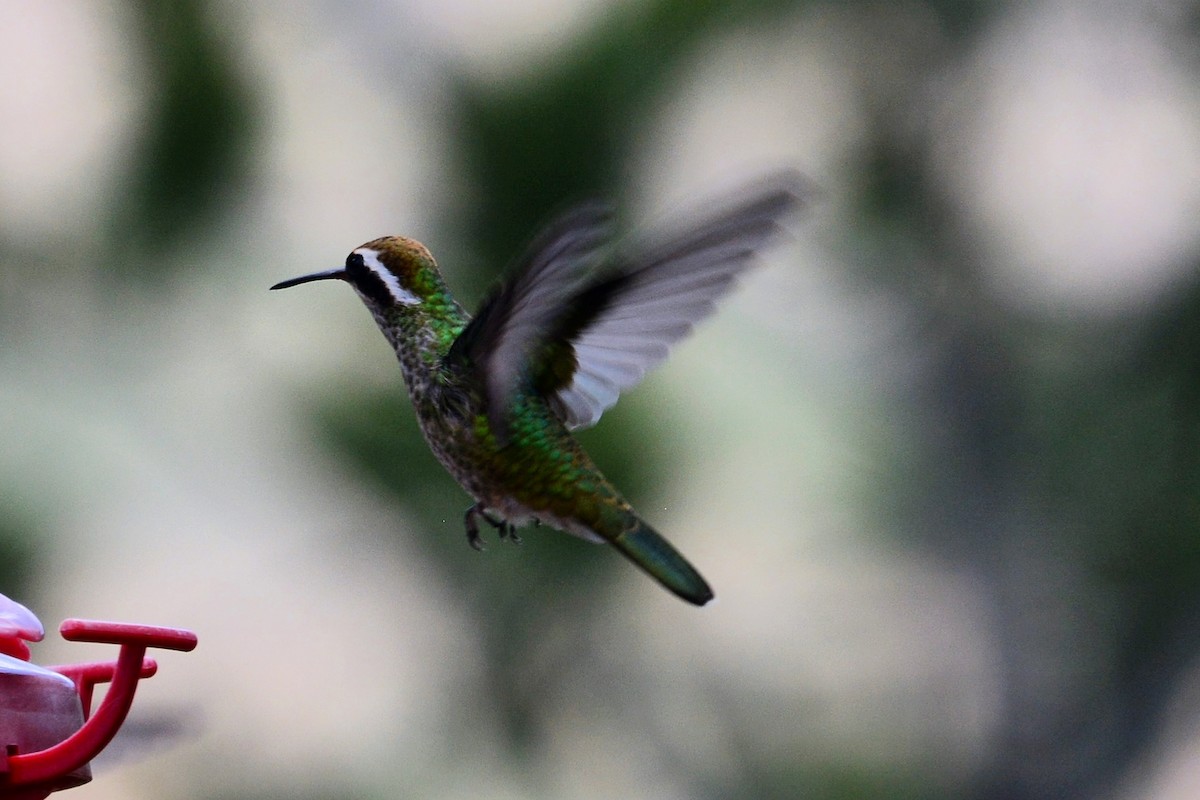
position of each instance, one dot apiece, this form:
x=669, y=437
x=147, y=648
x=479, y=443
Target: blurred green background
x=938, y=457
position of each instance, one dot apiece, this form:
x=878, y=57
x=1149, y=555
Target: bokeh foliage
x=192, y=159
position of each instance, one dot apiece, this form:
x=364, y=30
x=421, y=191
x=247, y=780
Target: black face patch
x=367, y=282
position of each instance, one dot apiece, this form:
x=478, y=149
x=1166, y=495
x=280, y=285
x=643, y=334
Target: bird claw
x=504, y=528
x=471, y=521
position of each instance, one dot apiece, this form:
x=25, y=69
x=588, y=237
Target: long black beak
x=329, y=274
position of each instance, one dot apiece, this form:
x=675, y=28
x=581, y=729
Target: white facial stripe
x=399, y=293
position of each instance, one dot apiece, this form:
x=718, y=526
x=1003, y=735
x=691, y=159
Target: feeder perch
x=48, y=734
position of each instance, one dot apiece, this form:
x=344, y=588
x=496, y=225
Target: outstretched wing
x=515, y=317
x=623, y=326
x=581, y=342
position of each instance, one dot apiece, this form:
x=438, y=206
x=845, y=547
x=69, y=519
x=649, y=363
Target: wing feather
x=514, y=318
x=661, y=293
x=581, y=341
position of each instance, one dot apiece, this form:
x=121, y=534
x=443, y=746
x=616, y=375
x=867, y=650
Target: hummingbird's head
x=387, y=273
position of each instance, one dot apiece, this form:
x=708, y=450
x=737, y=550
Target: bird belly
x=492, y=478
x=539, y=475
x=517, y=514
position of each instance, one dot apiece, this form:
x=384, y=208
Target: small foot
x=504, y=528
x=471, y=521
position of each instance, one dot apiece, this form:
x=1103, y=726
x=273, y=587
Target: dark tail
x=655, y=555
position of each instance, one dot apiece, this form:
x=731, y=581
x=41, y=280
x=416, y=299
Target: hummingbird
x=552, y=345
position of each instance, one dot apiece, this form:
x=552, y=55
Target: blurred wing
x=516, y=316
x=624, y=325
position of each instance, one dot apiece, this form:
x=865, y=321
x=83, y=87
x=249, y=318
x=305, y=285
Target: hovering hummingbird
x=548, y=352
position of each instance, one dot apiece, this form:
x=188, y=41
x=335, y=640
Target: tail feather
x=642, y=545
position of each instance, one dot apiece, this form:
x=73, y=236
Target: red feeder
x=47, y=733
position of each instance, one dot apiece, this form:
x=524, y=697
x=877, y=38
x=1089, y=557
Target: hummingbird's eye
x=375, y=281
